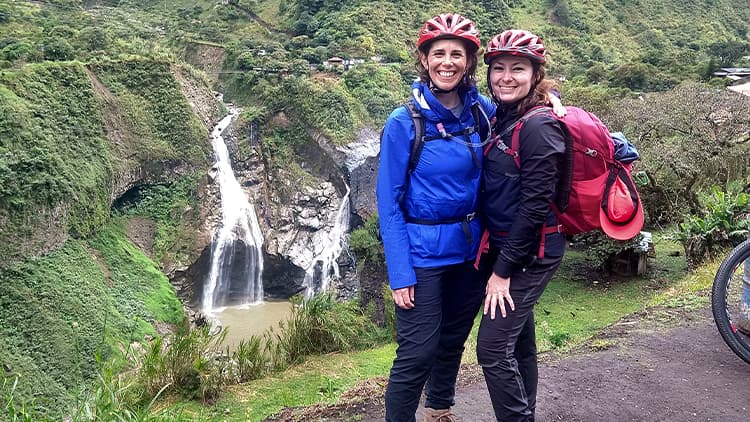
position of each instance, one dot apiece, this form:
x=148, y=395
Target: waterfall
x=236, y=271
x=323, y=266
x=366, y=145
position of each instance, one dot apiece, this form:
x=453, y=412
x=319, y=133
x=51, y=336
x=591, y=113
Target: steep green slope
x=73, y=286
x=57, y=166
x=639, y=45
x=83, y=301
x=673, y=39
x=665, y=40
x=55, y=161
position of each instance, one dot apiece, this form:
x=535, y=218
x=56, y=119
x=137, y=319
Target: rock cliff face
x=296, y=212
x=297, y=207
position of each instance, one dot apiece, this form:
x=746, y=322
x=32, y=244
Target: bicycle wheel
x=730, y=300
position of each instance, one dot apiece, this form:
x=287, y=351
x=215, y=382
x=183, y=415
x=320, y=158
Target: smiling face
x=446, y=63
x=511, y=78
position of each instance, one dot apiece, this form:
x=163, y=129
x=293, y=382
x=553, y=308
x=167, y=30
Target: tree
x=56, y=49
x=727, y=52
x=17, y=51
x=632, y=75
x=690, y=138
x=93, y=38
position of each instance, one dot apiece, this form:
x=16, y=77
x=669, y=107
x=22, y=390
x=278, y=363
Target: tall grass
x=250, y=360
x=15, y=413
x=191, y=364
x=321, y=325
x=316, y=326
x=188, y=363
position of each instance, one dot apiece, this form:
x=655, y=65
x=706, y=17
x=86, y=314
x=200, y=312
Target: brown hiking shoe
x=439, y=415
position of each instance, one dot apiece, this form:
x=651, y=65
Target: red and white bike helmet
x=449, y=25
x=516, y=42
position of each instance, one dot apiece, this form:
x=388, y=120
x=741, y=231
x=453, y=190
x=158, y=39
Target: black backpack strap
x=529, y=114
x=418, y=144
x=415, y=150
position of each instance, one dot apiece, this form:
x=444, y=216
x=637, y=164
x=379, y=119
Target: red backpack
x=596, y=189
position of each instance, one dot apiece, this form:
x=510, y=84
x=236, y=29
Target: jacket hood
x=431, y=107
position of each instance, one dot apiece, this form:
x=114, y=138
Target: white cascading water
x=236, y=271
x=323, y=266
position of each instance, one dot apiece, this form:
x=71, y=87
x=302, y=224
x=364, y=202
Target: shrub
x=690, y=139
x=93, y=38
x=57, y=49
x=365, y=242
x=321, y=325
x=723, y=225
x=186, y=363
x=601, y=249
x=250, y=359
x=17, y=51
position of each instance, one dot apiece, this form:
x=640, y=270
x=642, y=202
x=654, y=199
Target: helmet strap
x=435, y=90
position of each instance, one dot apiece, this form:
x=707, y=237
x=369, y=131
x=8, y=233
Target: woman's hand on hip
x=496, y=294
x=404, y=297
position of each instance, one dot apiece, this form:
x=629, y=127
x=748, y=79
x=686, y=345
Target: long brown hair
x=539, y=93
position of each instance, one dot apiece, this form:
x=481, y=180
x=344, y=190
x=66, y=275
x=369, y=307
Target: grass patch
x=573, y=308
x=321, y=379
x=570, y=311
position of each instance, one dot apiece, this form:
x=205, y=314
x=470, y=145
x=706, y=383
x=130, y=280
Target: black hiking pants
x=506, y=347
x=431, y=339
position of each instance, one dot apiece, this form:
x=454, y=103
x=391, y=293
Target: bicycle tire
x=722, y=301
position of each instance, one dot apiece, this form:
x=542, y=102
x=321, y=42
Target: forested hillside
x=639, y=45
x=93, y=103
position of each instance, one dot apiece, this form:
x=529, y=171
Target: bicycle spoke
x=730, y=300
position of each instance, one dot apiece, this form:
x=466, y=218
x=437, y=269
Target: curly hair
x=539, y=92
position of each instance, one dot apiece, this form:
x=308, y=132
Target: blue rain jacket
x=444, y=186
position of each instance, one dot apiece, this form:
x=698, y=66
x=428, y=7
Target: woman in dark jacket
x=525, y=248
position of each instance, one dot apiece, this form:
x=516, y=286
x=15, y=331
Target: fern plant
x=724, y=224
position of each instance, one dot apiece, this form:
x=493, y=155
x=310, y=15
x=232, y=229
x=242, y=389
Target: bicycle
x=730, y=300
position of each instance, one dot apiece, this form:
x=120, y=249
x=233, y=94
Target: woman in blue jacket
x=518, y=188
x=427, y=219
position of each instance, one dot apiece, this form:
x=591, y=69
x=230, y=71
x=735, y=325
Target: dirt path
x=659, y=365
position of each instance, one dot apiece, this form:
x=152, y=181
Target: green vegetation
x=365, y=242
x=690, y=139
x=175, y=210
x=54, y=155
x=724, y=224
x=162, y=125
x=320, y=326
x=61, y=311
x=189, y=365
x=576, y=306
x=56, y=163
x=140, y=290
x=88, y=95
x=573, y=309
